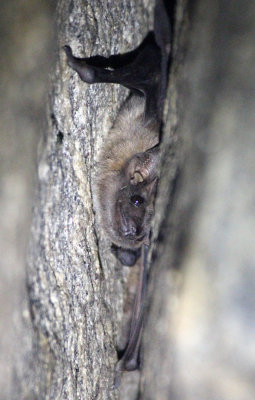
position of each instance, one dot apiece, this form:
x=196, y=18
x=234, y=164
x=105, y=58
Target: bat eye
x=136, y=200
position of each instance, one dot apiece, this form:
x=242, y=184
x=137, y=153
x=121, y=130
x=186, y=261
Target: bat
x=128, y=164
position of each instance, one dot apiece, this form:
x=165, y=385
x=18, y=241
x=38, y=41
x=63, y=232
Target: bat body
x=127, y=177
x=128, y=166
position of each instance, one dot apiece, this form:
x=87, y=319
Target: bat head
x=126, y=200
x=133, y=213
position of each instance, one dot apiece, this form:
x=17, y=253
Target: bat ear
x=142, y=167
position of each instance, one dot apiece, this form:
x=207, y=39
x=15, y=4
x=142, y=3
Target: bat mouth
x=134, y=237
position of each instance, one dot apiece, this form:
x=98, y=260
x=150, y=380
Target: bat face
x=124, y=196
x=133, y=213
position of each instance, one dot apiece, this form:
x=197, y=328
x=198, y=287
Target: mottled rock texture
x=76, y=293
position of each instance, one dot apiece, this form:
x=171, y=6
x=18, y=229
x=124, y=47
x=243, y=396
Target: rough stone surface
x=76, y=296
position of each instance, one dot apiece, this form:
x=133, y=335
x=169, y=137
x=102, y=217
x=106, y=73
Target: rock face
x=199, y=333
x=76, y=296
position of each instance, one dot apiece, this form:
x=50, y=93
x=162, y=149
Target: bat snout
x=132, y=231
x=131, y=226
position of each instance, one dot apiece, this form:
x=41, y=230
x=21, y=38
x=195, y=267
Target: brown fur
x=130, y=135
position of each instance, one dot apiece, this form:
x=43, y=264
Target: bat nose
x=132, y=230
